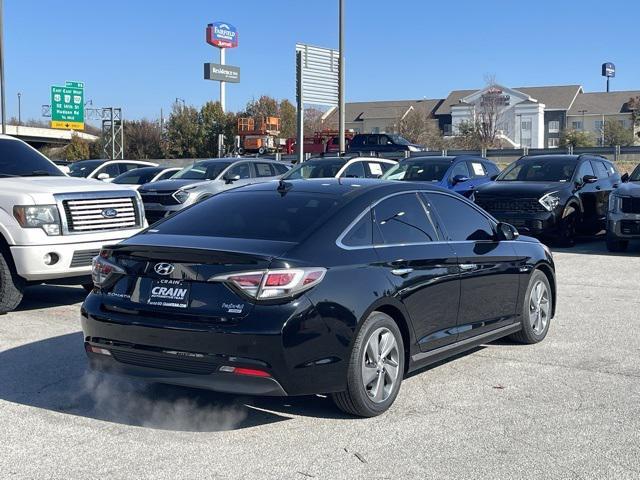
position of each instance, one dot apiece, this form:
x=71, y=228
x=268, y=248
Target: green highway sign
x=67, y=106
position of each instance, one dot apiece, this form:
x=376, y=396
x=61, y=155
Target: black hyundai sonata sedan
x=316, y=286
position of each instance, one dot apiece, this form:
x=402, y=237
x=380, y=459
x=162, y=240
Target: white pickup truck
x=52, y=225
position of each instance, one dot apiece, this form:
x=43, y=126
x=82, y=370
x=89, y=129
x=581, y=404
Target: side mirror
x=624, y=178
x=231, y=179
x=589, y=179
x=103, y=176
x=459, y=179
x=507, y=232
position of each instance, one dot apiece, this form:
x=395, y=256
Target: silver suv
x=204, y=179
x=623, y=217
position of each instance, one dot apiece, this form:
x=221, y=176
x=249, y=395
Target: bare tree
x=487, y=116
x=416, y=127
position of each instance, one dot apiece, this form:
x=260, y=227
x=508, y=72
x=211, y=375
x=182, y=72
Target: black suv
x=552, y=195
x=382, y=143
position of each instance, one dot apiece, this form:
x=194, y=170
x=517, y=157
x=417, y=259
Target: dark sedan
x=314, y=286
x=552, y=196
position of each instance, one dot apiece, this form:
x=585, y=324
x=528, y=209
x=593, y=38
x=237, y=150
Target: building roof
x=603, y=103
x=559, y=97
x=392, y=109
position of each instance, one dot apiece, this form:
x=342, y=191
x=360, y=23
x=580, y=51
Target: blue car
x=462, y=174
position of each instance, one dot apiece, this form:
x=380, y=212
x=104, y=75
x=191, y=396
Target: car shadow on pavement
x=52, y=374
x=45, y=296
x=597, y=246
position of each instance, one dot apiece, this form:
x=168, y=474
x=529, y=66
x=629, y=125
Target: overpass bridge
x=39, y=136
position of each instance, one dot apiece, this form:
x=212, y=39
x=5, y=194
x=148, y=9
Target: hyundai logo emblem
x=109, y=213
x=163, y=268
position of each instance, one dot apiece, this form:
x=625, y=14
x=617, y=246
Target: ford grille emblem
x=109, y=213
x=163, y=268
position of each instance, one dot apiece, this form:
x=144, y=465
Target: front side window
x=242, y=170
x=461, y=221
x=635, y=175
x=167, y=174
x=376, y=169
x=585, y=169
x=18, y=159
x=355, y=170
x=83, y=168
x=600, y=169
x=138, y=176
x=461, y=169
x=112, y=170
x=402, y=219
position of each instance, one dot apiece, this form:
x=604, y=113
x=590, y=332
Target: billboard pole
x=300, y=109
x=222, y=89
x=341, y=112
x=2, y=102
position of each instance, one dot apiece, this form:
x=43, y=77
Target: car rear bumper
x=290, y=347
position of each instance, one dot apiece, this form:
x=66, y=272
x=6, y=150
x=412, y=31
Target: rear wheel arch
x=399, y=316
x=548, y=272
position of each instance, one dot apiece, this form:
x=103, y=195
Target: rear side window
x=263, y=170
x=361, y=234
x=253, y=215
x=461, y=221
x=402, y=219
x=477, y=170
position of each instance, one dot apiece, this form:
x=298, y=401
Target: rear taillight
x=273, y=284
x=105, y=272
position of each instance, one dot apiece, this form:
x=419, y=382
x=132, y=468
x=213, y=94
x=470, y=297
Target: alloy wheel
x=539, y=307
x=380, y=365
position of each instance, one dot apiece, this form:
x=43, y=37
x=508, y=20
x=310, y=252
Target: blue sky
x=142, y=54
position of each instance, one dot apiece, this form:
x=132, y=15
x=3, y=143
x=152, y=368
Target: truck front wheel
x=11, y=286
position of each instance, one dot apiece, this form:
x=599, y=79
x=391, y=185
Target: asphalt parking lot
x=566, y=408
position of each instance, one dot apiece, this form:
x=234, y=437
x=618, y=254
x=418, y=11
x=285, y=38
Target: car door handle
x=401, y=271
x=467, y=267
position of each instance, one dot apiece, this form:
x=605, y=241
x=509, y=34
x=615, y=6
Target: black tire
x=568, y=226
x=528, y=335
x=617, y=245
x=241, y=151
x=11, y=285
x=88, y=287
x=355, y=400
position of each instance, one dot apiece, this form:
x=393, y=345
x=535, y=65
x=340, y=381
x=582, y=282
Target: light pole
x=2, y=103
x=341, y=110
x=19, y=109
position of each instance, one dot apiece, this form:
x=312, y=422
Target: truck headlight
x=614, y=204
x=38, y=216
x=550, y=201
x=181, y=196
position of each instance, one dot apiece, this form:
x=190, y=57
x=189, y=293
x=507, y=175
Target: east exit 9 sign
x=222, y=35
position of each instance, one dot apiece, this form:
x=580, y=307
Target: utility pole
x=2, y=103
x=19, y=109
x=341, y=109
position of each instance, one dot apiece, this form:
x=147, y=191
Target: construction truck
x=258, y=135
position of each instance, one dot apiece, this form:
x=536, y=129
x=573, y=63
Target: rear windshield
x=255, y=215
x=554, y=169
x=202, y=171
x=19, y=160
x=319, y=169
x=418, y=171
